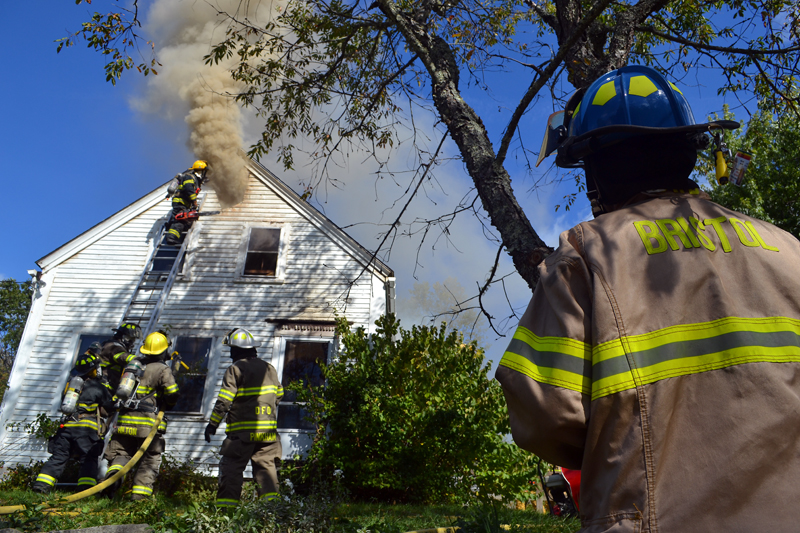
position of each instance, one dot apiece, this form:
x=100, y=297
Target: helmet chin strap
x=593, y=194
x=597, y=207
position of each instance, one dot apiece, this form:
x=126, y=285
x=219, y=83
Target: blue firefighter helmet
x=634, y=95
x=632, y=101
x=632, y=131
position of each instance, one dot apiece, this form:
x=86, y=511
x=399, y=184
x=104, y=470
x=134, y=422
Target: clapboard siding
x=92, y=279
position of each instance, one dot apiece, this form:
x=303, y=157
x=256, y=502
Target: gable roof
x=319, y=220
x=262, y=174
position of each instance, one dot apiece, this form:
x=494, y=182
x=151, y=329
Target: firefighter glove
x=210, y=430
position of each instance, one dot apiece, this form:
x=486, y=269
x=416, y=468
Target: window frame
x=280, y=267
x=206, y=404
x=279, y=347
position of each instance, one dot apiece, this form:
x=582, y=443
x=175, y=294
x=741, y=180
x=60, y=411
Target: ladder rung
x=146, y=301
x=150, y=283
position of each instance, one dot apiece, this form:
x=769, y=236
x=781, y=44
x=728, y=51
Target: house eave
x=99, y=230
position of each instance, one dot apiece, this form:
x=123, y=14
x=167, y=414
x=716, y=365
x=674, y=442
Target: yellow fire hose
x=100, y=486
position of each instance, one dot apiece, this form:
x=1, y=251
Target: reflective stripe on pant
x=175, y=229
x=235, y=455
x=78, y=442
x=122, y=448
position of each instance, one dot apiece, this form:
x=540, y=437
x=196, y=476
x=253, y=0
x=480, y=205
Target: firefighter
x=156, y=391
x=184, y=198
x=116, y=352
x=249, y=395
x=79, y=434
x=660, y=352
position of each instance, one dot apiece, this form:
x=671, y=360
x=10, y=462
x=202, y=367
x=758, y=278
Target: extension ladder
x=157, y=279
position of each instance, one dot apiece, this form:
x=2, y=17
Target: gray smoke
x=183, y=32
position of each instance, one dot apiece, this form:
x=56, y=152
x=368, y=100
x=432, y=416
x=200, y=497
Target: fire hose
x=108, y=482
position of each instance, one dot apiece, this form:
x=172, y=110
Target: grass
x=471, y=520
x=166, y=514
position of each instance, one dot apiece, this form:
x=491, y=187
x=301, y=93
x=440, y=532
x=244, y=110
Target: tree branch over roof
x=347, y=76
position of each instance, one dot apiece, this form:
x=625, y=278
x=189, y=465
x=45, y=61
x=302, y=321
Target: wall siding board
x=92, y=287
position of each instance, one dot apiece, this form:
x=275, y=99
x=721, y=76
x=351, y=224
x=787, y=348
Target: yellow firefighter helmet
x=200, y=165
x=155, y=344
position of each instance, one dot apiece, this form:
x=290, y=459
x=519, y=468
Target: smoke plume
x=183, y=32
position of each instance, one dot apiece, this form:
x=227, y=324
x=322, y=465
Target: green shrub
x=43, y=427
x=412, y=416
x=20, y=476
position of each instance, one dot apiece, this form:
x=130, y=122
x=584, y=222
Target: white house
x=272, y=264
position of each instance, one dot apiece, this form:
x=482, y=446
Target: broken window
x=194, y=353
x=303, y=360
x=263, y=246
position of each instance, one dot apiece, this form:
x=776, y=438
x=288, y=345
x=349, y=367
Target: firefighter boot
x=40, y=488
x=111, y=491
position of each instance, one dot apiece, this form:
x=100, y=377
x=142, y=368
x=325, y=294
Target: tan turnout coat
x=660, y=354
x=249, y=395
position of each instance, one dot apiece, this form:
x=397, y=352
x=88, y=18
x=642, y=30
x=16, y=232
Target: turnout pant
x=235, y=455
x=119, y=452
x=177, y=229
x=81, y=443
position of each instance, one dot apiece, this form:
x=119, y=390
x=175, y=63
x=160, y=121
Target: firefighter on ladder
x=156, y=390
x=660, y=352
x=249, y=395
x=184, y=190
x=79, y=434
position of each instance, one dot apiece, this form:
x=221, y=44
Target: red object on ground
x=574, y=480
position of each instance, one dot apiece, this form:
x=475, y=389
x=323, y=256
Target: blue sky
x=75, y=151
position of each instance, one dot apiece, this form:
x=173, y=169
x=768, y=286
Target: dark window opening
x=262, y=252
x=194, y=352
x=302, y=361
x=84, y=343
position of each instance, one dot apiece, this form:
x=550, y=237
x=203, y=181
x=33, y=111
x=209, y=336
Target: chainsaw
x=194, y=214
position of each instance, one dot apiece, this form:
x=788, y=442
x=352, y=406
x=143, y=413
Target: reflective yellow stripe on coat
x=556, y=361
x=256, y=391
x=90, y=423
x=629, y=361
x=252, y=425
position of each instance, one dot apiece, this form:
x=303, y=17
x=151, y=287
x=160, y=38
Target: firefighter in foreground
x=184, y=192
x=153, y=390
x=249, y=395
x=79, y=435
x=660, y=353
x=116, y=352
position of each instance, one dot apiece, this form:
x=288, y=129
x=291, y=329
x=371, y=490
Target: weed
x=181, y=480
